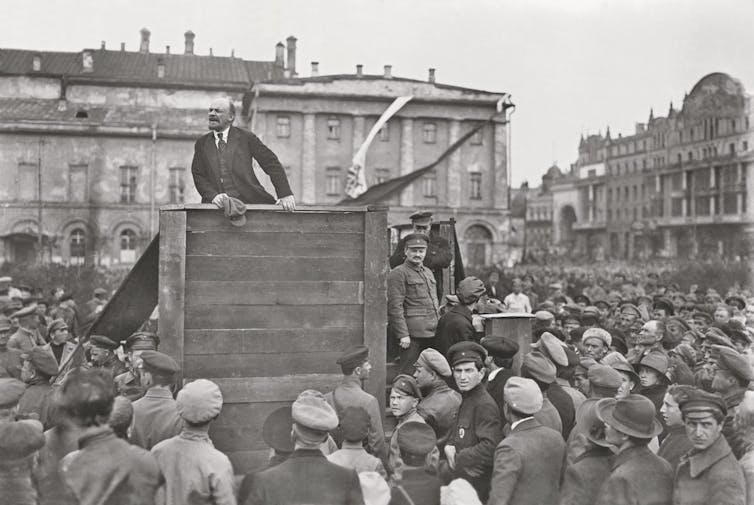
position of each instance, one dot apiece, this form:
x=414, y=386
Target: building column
x=407, y=158
x=500, y=171
x=454, y=167
x=309, y=161
x=590, y=204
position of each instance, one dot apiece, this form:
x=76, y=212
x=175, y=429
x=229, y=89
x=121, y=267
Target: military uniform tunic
x=156, y=418
x=440, y=409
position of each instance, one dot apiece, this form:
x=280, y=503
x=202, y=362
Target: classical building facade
x=679, y=186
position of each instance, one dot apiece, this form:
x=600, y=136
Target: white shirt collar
x=225, y=135
x=516, y=423
x=493, y=373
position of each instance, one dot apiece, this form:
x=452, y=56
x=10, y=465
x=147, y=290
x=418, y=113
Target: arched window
x=77, y=247
x=127, y=246
x=478, y=245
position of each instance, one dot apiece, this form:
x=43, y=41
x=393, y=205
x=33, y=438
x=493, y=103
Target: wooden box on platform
x=265, y=309
x=516, y=326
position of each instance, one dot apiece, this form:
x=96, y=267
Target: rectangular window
x=609, y=195
x=128, y=176
x=26, y=182
x=77, y=183
x=429, y=133
x=429, y=183
x=177, y=185
x=475, y=192
x=676, y=181
x=701, y=205
x=283, y=127
x=676, y=207
x=333, y=181
x=333, y=129
x=381, y=175
x=384, y=133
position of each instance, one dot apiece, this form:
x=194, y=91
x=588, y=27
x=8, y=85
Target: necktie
x=220, y=142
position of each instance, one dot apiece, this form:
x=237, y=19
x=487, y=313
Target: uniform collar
x=412, y=267
x=699, y=461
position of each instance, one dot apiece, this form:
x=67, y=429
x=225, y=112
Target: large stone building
x=678, y=186
x=95, y=141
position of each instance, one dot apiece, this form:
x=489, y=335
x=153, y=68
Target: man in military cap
x=500, y=353
x=129, y=382
x=155, y=415
x=27, y=335
x=325, y=482
x=10, y=359
x=456, y=325
x=478, y=430
x=412, y=305
x=39, y=366
x=629, y=317
x=102, y=354
x=710, y=472
x=418, y=484
x=190, y=463
x=529, y=460
x=701, y=319
x=438, y=250
x=404, y=398
x=355, y=365
x=732, y=375
x=439, y=405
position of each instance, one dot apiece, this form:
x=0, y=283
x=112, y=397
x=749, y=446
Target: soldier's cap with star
x=435, y=361
x=142, y=341
x=552, y=348
x=500, y=347
x=353, y=357
x=159, y=363
x=465, y=352
x=733, y=361
x=407, y=385
x=276, y=430
x=29, y=310
x=416, y=240
x=354, y=424
x=523, y=395
x=700, y=403
x=103, y=342
x=199, y=401
x=416, y=438
x=421, y=218
x=42, y=359
x=539, y=367
x=11, y=391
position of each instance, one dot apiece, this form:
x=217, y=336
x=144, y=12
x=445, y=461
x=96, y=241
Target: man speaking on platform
x=222, y=165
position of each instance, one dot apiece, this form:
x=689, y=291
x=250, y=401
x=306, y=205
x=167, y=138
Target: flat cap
x=25, y=311
x=470, y=290
x=544, y=315
x=354, y=424
x=630, y=308
x=552, y=348
x=417, y=240
x=466, y=351
x=416, y=438
x=733, y=361
x=523, y=395
x=157, y=362
x=43, y=360
x=407, y=385
x=603, y=376
x=276, y=430
x=199, y=401
x=699, y=401
x=104, y=342
x=539, y=367
x=142, y=340
x=599, y=334
x=11, y=391
x=434, y=360
x=314, y=413
x=499, y=347
x=354, y=356
x=420, y=215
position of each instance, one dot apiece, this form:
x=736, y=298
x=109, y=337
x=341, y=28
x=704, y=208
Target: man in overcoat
x=439, y=405
x=456, y=324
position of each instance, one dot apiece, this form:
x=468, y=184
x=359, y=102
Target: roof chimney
x=102, y=45
x=167, y=49
x=315, y=69
x=359, y=70
x=160, y=68
x=144, y=46
x=87, y=61
x=291, y=66
x=189, y=38
x=280, y=54
x=431, y=77
x=122, y=46
x=388, y=72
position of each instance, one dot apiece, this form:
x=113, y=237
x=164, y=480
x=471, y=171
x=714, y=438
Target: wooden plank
x=273, y=268
x=273, y=292
x=273, y=316
x=274, y=389
x=248, y=341
x=271, y=221
x=300, y=209
x=275, y=243
x=261, y=365
x=375, y=300
x=171, y=283
x=241, y=414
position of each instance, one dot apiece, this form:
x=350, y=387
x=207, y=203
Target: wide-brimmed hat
x=590, y=424
x=633, y=416
x=657, y=361
x=626, y=367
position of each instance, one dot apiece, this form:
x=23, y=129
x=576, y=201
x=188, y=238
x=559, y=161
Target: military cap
x=42, y=359
x=354, y=424
x=416, y=438
x=104, y=342
x=417, y=240
x=700, y=401
x=26, y=311
x=407, y=385
x=6, y=279
x=734, y=362
x=421, y=217
x=599, y=334
x=466, y=351
x=539, y=367
x=142, y=340
x=736, y=301
x=523, y=395
x=701, y=315
x=470, y=290
x=160, y=363
x=680, y=321
x=314, y=413
x=716, y=336
x=603, y=376
x=499, y=347
x=634, y=415
x=55, y=325
x=665, y=304
x=600, y=301
x=434, y=360
x=591, y=310
x=630, y=308
x=354, y=356
x=543, y=315
x=199, y=401
x=582, y=298
x=552, y=348
x=4, y=323
x=276, y=430
x=11, y=391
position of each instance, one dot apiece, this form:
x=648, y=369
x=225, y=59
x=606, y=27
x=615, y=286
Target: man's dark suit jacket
x=242, y=147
